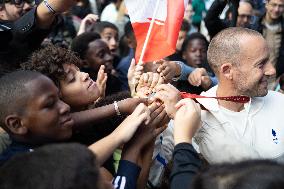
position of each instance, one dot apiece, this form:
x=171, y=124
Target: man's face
x=244, y=14
x=46, y=117
x=78, y=89
x=110, y=36
x=99, y=54
x=12, y=11
x=181, y=38
x=250, y=77
x=274, y=9
x=195, y=53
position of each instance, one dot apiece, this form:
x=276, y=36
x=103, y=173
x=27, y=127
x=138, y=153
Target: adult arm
x=212, y=20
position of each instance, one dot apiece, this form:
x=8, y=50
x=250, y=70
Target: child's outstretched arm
x=87, y=117
x=137, y=153
x=123, y=133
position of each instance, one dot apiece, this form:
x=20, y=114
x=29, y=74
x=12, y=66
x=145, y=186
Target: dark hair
x=192, y=37
x=57, y=166
x=13, y=92
x=80, y=44
x=128, y=30
x=49, y=61
x=260, y=174
x=100, y=26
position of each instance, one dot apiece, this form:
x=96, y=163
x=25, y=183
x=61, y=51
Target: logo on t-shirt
x=275, y=139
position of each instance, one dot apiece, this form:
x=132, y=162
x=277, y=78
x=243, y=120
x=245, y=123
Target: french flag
x=164, y=33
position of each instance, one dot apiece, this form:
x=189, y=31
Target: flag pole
x=140, y=62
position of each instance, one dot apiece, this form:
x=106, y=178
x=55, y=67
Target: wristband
x=176, y=78
x=116, y=108
x=49, y=7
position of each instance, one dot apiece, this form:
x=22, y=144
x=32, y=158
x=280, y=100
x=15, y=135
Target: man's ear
x=14, y=123
x=227, y=71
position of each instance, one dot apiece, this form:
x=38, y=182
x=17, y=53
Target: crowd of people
x=76, y=111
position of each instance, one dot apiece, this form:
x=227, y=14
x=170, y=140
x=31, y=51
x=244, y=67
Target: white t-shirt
x=109, y=13
x=257, y=132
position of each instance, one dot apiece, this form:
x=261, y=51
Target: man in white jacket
x=235, y=131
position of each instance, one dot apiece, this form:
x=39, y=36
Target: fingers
x=184, y=102
x=194, y=79
x=139, y=109
x=142, y=113
x=159, y=130
x=161, y=95
x=150, y=79
x=166, y=72
x=158, y=109
x=161, y=68
x=186, y=105
x=155, y=80
x=132, y=66
x=145, y=76
x=91, y=18
x=101, y=73
x=167, y=87
x=161, y=81
x=105, y=78
x=206, y=82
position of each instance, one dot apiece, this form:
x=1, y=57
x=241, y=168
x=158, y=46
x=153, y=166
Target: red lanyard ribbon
x=238, y=99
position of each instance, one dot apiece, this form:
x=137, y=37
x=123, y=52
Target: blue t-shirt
x=14, y=149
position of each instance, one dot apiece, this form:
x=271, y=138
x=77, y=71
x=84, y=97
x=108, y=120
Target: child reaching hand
x=38, y=116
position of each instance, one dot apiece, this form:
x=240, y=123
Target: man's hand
x=200, y=77
x=186, y=120
x=168, y=69
x=170, y=96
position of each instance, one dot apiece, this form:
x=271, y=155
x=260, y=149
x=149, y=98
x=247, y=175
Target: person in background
x=214, y=24
x=20, y=35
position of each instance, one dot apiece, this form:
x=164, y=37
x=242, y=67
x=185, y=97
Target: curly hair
x=49, y=61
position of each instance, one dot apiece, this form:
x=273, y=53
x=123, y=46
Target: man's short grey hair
x=225, y=47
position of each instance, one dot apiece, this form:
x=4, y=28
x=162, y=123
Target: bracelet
x=176, y=78
x=49, y=7
x=116, y=108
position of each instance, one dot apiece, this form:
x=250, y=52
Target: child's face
x=99, y=54
x=78, y=89
x=195, y=53
x=110, y=36
x=46, y=117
